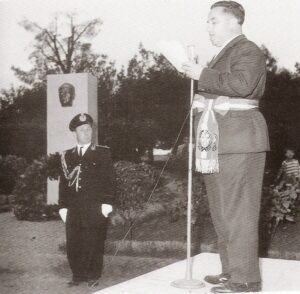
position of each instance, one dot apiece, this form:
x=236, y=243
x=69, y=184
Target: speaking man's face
x=84, y=134
x=219, y=26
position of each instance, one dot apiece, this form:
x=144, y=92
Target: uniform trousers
x=86, y=229
x=234, y=197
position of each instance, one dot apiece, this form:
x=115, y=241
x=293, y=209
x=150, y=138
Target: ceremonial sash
x=207, y=130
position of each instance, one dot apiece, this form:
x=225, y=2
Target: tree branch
x=55, y=50
x=84, y=30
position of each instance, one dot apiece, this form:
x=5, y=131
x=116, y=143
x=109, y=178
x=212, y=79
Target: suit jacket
x=96, y=182
x=238, y=71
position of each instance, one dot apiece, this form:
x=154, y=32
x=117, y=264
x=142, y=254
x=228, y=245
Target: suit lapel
x=229, y=45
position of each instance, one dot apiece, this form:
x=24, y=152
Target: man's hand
x=106, y=209
x=192, y=70
x=63, y=214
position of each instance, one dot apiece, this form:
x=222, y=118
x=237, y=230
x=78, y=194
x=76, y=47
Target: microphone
x=191, y=52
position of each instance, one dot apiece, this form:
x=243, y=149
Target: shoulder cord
x=70, y=176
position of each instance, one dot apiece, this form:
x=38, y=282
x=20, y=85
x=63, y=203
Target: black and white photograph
x=149, y=146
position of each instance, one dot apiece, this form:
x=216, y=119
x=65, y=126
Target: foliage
x=200, y=209
x=151, y=98
x=279, y=204
x=30, y=193
x=280, y=106
x=284, y=198
x=53, y=166
x=147, y=106
x=11, y=167
x=134, y=184
x=23, y=122
x=178, y=162
x=118, y=137
x=59, y=52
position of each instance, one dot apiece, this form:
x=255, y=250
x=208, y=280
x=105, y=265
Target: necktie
x=80, y=152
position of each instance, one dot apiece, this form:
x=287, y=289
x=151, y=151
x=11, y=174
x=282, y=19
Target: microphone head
x=191, y=52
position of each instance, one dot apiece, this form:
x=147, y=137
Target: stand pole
x=189, y=282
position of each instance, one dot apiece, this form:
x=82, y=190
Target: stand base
x=188, y=284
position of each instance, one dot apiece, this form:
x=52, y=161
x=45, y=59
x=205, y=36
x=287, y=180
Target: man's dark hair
x=233, y=8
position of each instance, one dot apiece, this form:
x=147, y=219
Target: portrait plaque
x=66, y=93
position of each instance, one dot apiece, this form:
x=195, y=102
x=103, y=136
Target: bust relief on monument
x=66, y=94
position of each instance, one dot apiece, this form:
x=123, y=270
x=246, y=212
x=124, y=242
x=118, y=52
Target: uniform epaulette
x=74, y=149
x=94, y=146
x=68, y=150
x=102, y=146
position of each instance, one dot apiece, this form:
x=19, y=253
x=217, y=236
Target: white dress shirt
x=84, y=148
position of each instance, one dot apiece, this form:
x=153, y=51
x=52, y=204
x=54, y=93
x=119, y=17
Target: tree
x=151, y=99
x=280, y=106
x=55, y=52
x=297, y=67
x=271, y=61
x=23, y=122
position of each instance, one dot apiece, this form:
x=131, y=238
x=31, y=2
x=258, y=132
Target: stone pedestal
x=67, y=95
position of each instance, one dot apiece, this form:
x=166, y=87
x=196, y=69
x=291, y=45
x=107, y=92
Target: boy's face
x=289, y=154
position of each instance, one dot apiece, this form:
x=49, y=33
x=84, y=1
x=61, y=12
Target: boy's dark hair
x=290, y=148
x=233, y=8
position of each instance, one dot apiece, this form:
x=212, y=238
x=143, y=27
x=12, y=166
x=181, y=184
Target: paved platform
x=279, y=276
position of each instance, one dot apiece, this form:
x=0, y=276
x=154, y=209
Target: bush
x=11, y=167
x=178, y=162
x=30, y=193
x=134, y=184
x=284, y=199
x=200, y=209
x=279, y=204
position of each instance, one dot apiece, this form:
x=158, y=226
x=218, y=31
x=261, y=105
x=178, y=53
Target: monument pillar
x=67, y=95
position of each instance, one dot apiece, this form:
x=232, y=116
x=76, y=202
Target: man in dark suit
x=86, y=194
x=238, y=72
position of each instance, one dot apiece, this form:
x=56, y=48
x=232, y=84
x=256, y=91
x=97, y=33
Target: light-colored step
x=279, y=276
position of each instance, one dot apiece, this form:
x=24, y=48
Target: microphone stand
x=189, y=282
